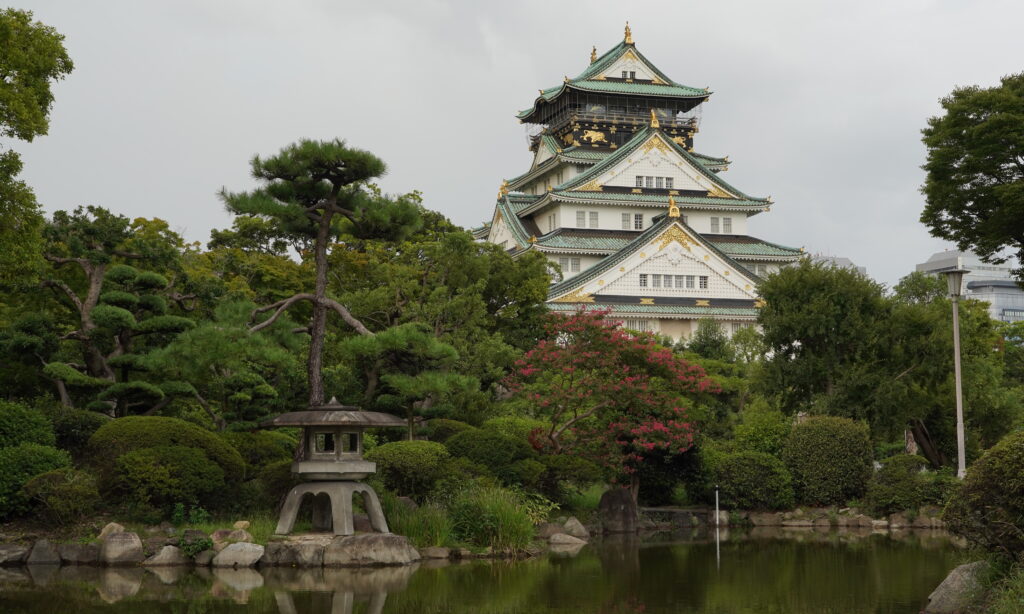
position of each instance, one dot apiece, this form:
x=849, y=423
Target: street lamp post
x=954, y=278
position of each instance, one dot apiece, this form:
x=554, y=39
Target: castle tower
x=636, y=220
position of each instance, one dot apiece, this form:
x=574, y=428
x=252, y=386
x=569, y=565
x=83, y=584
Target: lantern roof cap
x=334, y=414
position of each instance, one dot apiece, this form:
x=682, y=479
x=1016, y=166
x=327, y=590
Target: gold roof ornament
x=503, y=190
x=593, y=54
x=629, y=35
x=673, y=209
x=654, y=120
x=532, y=239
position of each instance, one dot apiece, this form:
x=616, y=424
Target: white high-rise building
x=636, y=221
x=992, y=283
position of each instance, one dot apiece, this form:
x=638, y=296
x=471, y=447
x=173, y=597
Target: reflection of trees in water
x=800, y=573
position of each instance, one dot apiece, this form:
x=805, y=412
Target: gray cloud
x=819, y=104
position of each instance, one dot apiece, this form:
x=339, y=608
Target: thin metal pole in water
x=718, y=537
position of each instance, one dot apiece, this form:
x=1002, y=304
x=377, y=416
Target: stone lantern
x=332, y=464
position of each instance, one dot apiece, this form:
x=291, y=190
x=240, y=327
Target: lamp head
x=955, y=279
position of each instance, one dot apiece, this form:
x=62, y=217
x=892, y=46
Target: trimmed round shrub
x=22, y=424
x=410, y=468
x=18, y=465
x=440, y=429
x=829, y=459
x=63, y=496
x=492, y=450
x=752, y=481
x=74, y=427
x=763, y=431
x=899, y=485
x=162, y=476
x=260, y=448
x=133, y=433
x=988, y=507
x=514, y=426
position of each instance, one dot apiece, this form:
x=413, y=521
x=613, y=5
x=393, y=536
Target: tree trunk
x=926, y=444
x=634, y=487
x=62, y=390
x=318, y=329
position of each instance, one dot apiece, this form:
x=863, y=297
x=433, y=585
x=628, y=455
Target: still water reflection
x=760, y=572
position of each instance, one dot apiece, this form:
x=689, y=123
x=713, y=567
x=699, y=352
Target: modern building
x=636, y=221
x=840, y=262
x=991, y=283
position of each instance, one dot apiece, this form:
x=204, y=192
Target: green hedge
x=988, y=507
x=899, y=485
x=491, y=449
x=22, y=424
x=440, y=429
x=763, y=431
x=18, y=465
x=161, y=476
x=261, y=448
x=74, y=427
x=410, y=468
x=514, y=426
x=63, y=496
x=752, y=481
x=829, y=459
x=133, y=433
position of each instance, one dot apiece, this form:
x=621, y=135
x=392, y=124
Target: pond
x=760, y=572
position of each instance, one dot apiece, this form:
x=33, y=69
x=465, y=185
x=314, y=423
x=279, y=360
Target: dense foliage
x=410, y=468
x=829, y=459
x=752, y=481
x=988, y=506
x=20, y=423
x=18, y=465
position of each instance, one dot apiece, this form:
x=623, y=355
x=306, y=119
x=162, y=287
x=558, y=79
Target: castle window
x=689, y=281
x=639, y=181
x=625, y=221
x=703, y=282
x=680, y=280
x=574, y=265
x=632, y=74
x=581, y=219
x=668, y=183
x=714, y=224
x=655, y=281
x=643, y=280
x=762, y=270
x=727, y=225
x=564, y=263
x=649, y=181
x=638, y=221
x=660, y=182
x=593, y=219
x=624, y=73
x=736, y=327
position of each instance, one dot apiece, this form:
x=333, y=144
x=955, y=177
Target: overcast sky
x=818, y=104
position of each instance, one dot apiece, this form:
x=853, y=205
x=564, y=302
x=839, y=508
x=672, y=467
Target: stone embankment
x=667, y=518
x=234, y=549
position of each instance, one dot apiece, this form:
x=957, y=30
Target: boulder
x=205, y=558
x=241, y=554
x=291, y=554
x=547, y=529
x=240, y=535
x=121, y=549
x=168, y=555
x=12, y=554
x=617, y=511
x=958, y=591
x=880, y=525
x=561, y=539
x=110, y=529
x=152, y=545
x=79, y=554
x=899, y=521
x=241, y=524
x=192, y=536
x=409, y=503
x=435, y=552
x=575, y=528
x=721, y=521
x=369, y=549
x=43, y=553
x=822, y=522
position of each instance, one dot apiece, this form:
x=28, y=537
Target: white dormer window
x=668, y=183
x=574, y=265
x=593, y=219
x=643, y=280
x=714, y=224
x=632, y=74
x=624, y=73
x=727, y=225
x=639, y=181
x=581, y=219
x=625, y=221
x=649, y=182
x=638, y=221
x=659, y=182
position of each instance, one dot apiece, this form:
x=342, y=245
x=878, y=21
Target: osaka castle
x=635, y=219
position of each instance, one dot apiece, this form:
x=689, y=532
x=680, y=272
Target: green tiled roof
x=659, y=309
x=634, y=143
x=602, y=242
x=661, y=199
x=606, y=264
x=737, y=247
x=755, y=247
x=585, y=81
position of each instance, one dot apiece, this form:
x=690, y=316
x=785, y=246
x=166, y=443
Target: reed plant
x=490, y=516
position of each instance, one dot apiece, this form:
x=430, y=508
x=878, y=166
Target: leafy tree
x=314, y=191
x=33, y=57
x=608, y=395
x=710, y=341
x=975, y=170
x=819, y=321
